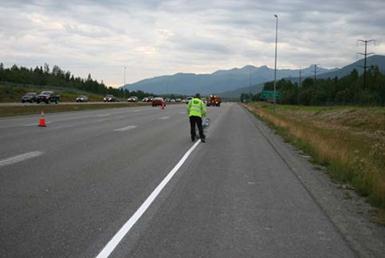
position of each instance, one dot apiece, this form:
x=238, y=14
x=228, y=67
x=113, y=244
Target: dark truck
x=47, y=97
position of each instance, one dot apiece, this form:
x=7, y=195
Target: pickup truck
x=47, y=97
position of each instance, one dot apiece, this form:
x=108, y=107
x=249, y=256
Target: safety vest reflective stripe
x=196, y=108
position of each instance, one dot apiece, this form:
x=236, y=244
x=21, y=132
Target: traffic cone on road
x=42, y=120
x=162, y=105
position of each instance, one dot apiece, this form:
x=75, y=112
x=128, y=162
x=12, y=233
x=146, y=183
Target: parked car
x=132, y=99
x=158, y=102
x=47, y=97
x=29, y=97
x=110, y=98
x=82, y=98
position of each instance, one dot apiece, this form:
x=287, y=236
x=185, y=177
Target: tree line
x=43, y=75
x=348, y=90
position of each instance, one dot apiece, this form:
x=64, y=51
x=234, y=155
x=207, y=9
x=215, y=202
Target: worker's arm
x=188, y=108
x=204, y=111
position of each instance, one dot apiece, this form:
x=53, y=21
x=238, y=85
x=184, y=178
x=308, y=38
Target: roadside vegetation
x=352, y=89
x=349, y=141
x=29, y=109
x=15, y=81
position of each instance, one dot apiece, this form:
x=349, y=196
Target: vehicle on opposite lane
x=158, y=102
x=82, y=98
x=29, y=97
x=47, y=96
x=110, y=98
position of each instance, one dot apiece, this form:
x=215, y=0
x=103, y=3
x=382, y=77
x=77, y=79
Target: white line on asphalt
x=103, y=115
x=113, y=243
x=164, y=117
x=36, y=124
x=125, y=128
x=19, y=158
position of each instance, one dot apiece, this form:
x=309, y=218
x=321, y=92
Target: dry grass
x=349, y=141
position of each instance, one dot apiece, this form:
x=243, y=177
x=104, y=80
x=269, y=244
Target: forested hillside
x=347, y=90
x=44, y=76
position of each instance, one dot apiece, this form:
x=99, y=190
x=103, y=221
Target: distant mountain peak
x=233, y=79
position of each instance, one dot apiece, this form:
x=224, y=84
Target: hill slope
x=378, y=60
x=219, y=81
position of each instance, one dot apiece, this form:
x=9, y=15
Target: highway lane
x=233, y=197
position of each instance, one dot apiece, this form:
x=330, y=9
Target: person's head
x=198, y=95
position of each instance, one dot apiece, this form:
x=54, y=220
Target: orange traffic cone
x=42, y=120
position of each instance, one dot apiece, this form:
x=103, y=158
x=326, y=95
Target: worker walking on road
x=196, y=110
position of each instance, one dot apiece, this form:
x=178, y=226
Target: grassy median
x=349, y=141
x=29, y=109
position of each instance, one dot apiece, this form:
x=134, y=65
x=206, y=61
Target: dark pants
x=196, y=120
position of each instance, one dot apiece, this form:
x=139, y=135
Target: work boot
x=203, y=140
x=192, y=138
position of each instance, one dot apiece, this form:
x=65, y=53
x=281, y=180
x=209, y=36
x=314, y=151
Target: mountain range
x=233, y=82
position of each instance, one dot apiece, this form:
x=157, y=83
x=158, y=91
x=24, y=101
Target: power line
x=365, y=54
x=315, y=71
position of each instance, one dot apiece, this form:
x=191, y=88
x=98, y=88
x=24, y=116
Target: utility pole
x=275, y=63
x=124, y=76
x=365, y=54
x=315, y=72
x=299, y=84
x=249, y=76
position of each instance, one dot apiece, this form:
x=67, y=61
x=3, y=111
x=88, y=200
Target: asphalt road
x=67, y=189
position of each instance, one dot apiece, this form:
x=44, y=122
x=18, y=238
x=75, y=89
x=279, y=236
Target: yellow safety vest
x=196, y=107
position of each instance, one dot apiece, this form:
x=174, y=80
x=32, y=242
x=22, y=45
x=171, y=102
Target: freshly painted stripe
x=37, y=123
x=103, y=115
x=113, y=243
x=19, y=158
x=125, y=128
x=164, y=117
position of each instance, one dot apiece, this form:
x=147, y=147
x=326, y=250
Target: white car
x=82, y=98
x=132, y=99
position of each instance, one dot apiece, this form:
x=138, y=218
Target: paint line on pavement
x=125, y=128
x=164, y=117
x=103, y=115
x=20, y=158
x=37, y=123
x=113, y=243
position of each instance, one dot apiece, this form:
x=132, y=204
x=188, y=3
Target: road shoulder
x=350, y=214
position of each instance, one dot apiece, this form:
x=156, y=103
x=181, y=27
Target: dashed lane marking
x=20, y=158
x=125, y=128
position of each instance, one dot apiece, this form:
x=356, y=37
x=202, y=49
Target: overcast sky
x=153, y=38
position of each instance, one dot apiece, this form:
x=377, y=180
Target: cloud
x=153, y=37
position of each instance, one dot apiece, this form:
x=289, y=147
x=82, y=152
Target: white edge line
x=125, y=128
x=113, y=243
x=19, y=158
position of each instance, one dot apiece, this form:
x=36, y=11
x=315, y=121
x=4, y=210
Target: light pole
x=275, y=63
x=124, y=76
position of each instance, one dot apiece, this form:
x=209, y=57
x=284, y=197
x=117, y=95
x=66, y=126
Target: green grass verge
x=6, y=111
x=348, y=141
